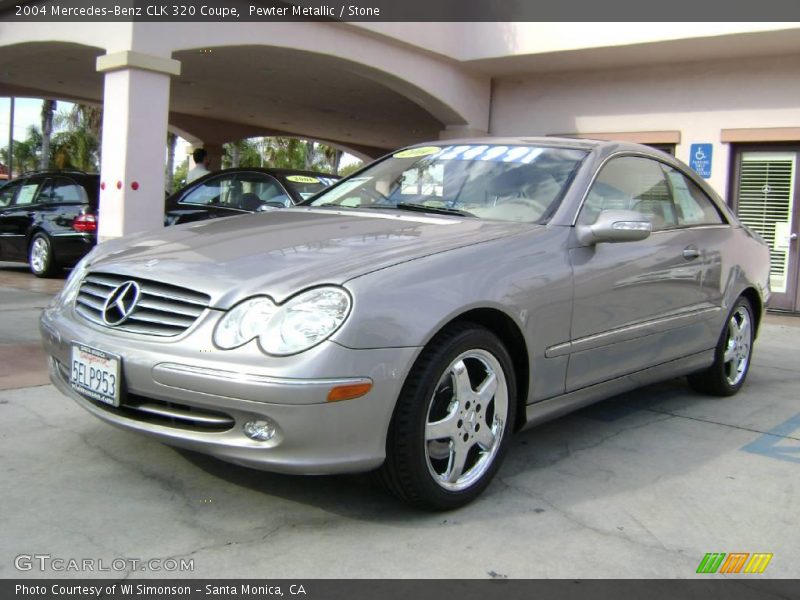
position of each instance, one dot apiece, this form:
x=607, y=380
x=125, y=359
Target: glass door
x=766, y=200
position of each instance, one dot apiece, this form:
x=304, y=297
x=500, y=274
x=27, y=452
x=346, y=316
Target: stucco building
x=724, y=97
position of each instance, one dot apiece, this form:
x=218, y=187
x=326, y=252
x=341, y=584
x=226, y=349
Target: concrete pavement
x=642, y=485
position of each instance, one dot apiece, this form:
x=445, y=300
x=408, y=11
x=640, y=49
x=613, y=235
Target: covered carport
x=210, y=83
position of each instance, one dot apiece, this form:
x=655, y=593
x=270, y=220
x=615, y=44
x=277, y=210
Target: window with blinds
x=766, y=192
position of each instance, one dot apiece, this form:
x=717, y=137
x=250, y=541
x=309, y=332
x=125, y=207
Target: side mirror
x=615, y=226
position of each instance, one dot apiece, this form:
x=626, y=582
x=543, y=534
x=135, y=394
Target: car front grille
x=158, y=412
x=162, y=309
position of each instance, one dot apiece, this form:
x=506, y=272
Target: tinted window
x=7, y=193
x=64, y=191
x=253, y=190
x=210, y=192
x=244, y=191
x=631, y=183
x=691, y=203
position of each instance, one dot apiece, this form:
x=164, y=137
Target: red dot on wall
x=135, y=186
x=102, y=185
x=119, y=185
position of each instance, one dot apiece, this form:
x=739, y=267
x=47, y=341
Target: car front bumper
x=188, y=395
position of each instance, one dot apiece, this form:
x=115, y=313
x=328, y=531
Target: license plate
x=95, y=374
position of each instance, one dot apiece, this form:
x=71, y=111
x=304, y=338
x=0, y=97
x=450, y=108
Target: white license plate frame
x=96, y=374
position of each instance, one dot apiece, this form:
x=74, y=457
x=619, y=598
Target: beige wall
x=480, y=41
x=699, y=100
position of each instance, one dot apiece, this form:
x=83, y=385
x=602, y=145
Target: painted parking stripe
x=775, y=444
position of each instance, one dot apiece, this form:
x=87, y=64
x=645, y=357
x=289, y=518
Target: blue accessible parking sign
x=700, y=159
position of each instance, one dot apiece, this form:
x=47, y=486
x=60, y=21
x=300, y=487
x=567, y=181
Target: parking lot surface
x=641, y=485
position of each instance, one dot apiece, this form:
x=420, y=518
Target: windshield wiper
x=439, y=210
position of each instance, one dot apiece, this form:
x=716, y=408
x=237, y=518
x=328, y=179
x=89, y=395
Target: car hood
x=282, y=252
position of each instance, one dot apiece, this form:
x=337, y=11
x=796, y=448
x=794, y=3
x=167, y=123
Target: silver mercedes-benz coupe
x=411, y=318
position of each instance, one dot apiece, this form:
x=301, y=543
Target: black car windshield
x=504, y=182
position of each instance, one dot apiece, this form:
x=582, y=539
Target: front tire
x=40, y=256
x=453, y=420
x=732, y=356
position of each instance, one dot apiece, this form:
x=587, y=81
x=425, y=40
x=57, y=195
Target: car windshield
x=308, y=185
x=504, y=182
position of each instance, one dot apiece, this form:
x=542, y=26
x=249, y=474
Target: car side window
x=694, y=207
x=253, y=190
x=62, y=190
x=210, y=192
x=631, y=183
x=7, y=193
x=27, y=193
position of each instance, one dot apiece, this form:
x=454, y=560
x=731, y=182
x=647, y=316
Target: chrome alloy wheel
x=40, y=250
x=466, y=419
x=737, y=347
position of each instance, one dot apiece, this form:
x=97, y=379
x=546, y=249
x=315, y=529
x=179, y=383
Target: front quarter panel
x=526, y=277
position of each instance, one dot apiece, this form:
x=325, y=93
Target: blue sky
x=27, y=111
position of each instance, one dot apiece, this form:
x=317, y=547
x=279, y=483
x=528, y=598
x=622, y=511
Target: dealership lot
x=642, y=485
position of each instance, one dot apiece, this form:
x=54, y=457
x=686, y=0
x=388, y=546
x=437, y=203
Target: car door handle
x=690, y=253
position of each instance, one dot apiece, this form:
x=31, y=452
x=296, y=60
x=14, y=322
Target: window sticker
x=417, y=152
x=302, y=179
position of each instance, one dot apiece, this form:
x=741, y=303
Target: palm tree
x=242, y=153
x=333, y=156
x=48, y=108
x=26, y=153
x=78, y=146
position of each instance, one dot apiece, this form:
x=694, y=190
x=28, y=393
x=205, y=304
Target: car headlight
x=73, y=282
x=297, y=325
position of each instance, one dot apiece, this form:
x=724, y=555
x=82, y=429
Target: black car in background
x=49, y=219
x=242, y=190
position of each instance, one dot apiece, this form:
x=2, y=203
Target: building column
x=135, y=114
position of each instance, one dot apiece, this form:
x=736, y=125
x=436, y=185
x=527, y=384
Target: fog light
x=260, y=431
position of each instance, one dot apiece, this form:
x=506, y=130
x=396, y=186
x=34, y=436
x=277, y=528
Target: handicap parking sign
x=700, y=159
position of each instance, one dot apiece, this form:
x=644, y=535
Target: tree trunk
x=172, y=140
x=48, y=108
x=311, y=149
x=235, y=153
x=337, y=159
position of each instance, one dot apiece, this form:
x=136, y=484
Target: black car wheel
x=40, y=256
x=453, y=420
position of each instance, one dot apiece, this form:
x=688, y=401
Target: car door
x=636, y=304
x=200, y=200
x=7, y=194
x=17, y=217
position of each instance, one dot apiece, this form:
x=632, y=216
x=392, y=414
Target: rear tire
x=40, y=256
x=732, y=356
x=453, y=420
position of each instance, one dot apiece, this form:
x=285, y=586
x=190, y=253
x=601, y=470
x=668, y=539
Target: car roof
x=555, y=142
x=273, y=171
x=71, y=172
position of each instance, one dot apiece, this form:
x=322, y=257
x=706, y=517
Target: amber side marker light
x=348, y=392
